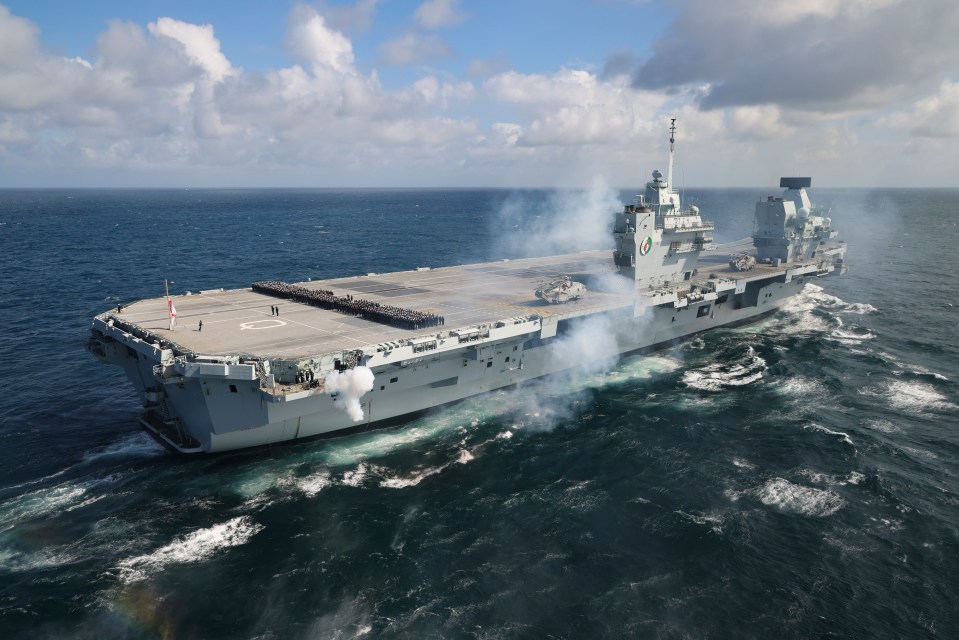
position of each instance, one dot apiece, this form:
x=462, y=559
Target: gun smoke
x=348, y=387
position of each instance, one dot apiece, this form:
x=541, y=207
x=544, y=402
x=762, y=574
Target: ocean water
x=796, y=477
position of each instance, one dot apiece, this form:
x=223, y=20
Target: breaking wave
x=911, y=396
x=853, y=477
x=799, y=499
x=852, y=335
x=193, y=547
x=813, y=311
x=842, y=436
x=717, y=377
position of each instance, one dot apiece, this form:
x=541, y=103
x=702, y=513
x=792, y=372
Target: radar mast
x=672, y=143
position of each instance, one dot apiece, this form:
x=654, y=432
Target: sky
x=477, y=93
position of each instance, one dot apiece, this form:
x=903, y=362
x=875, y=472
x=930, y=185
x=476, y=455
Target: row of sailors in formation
x=366, y=309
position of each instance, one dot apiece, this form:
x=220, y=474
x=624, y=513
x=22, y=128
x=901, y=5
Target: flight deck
x=243, y=322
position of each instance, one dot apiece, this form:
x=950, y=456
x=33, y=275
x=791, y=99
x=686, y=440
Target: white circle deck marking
x=274, y=323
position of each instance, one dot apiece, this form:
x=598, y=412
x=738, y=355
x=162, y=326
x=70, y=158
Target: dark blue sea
x=796, y=478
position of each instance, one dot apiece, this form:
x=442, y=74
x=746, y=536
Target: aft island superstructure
x=285, y=361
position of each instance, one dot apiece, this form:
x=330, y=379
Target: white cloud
x=573, y=107
x=483, y=67
x=831, y=144
x=757, y=123
x=162, y=103
x=789, y=12
x=433, y=92
x=411, y=47
x=828, y=56
x=11, y=133
x=322, y=47
x=19, y=39
x=936, y=116
x=508, y=132
x=434, y=14
x=199, y=44
x=358, y=17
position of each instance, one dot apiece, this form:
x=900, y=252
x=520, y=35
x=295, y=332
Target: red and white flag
x=172, y=314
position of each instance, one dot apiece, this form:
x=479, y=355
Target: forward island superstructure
x=286, y=361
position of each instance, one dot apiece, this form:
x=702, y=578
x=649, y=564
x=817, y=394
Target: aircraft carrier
x=222, y=370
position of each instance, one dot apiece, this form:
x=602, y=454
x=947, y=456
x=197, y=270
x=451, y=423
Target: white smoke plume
x=567, y=221
x=588, y=349
x=348, y=387
x=581, y=357
x=563, y=222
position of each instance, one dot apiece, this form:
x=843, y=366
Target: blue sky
x=470, y=93
x=251, y=32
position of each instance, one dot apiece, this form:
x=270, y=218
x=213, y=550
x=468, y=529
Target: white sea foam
x=853, y=477
x=39, y=503
x=362, y=447
x=582, y=496
x=884, y=425
x=743, y=464
x=814, y=311
x=911, y=368
x=36, y=481
x=818, y=295
x=915, y=396
x=643, y=368
x=286, y=485
x=891, y=525
x=843, y=436
x=714, y=522
x=400, y=482
x=138, y=444
x=54, y=500
x=794, y=498
x=717, y=377
x=859, y=308
x=313, y=484
x=84, y=503
x=357, y=476
x=852, y=336
x=192, y=547
x=464, y=456
x=733, y=496
x=801, y=387
x=922, y=453
x=803, y=301
x=922, y=371
x=817, y=477
x=16, y=561
x=804, y=322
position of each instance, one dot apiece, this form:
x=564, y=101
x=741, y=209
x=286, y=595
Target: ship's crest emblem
x=646, y=246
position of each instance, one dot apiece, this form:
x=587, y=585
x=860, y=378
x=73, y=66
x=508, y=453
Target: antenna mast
x=672, y=142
